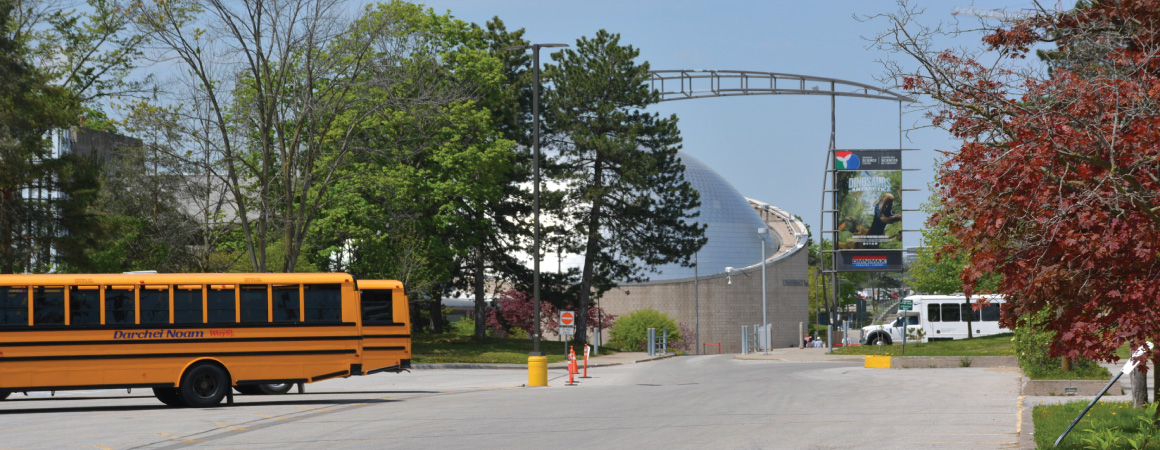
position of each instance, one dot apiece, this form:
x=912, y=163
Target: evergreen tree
x=626, y=194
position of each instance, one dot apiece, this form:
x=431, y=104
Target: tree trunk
x=1156, y=379
x=1139, y=388
x=480, y=316
x=435, y=313
x=591, y=250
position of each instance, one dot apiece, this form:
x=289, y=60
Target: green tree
x=626, y=194
x=502, y=232
x=417, y=203
x=941, y=259
x=30, y=106
x=281, y=91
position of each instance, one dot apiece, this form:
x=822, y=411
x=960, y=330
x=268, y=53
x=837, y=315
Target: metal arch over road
x=690, y=84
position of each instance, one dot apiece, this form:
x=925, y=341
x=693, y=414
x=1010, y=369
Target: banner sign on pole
x=868, y=200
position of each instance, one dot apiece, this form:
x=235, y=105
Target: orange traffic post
x=585, y=362
x=571, y=366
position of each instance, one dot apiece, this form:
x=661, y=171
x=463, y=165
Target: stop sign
x=567, y=318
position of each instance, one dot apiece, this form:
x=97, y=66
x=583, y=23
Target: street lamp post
x=535, y=185
x=697, y=300
x=764, y=317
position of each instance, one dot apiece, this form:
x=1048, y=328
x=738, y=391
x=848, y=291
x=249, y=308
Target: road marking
x=1019, y=416
x=312, y=409
x=271, y=417
x=177, y=438
x=231, y=426
x=103, y=447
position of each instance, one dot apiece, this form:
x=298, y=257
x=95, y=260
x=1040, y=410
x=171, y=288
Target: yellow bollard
x=537, y=370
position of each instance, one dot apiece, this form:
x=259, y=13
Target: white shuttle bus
x=938, y=318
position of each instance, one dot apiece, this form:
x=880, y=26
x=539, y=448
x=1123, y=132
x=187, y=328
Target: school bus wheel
x=204, y=385
x=275, y=388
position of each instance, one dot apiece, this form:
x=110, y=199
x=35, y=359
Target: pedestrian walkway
x=799, y=355
x=614, y=359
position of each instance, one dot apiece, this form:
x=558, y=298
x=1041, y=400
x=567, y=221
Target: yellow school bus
x=191, y=337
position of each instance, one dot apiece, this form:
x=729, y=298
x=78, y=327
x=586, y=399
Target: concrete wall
x=724, y=307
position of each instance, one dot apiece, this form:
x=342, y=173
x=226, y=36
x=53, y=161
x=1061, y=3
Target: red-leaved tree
x=1057, y=183
x=514, y=309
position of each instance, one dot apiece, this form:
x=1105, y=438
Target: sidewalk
x=794, y=354
x=615, y=359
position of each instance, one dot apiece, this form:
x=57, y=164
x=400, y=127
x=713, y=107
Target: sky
x=771, y=148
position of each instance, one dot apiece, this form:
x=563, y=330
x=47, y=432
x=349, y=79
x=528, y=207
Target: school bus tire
x=275, y=388
x=169, y=396
x=204, y=385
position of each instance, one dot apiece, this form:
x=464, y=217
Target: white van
x=938, y=318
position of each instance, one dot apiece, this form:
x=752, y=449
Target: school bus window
x=187, y=304
x=155, y=305
x=286, y=303
x=377, y=307
x=84, y=305
x=119, y=307
x=48, y=305
x=991, y=313
x=255, y=304
x=221, y=301
x=932, y=312
x=323, y=302
x=13, y=306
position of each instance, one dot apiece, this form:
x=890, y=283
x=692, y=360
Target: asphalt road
x=686, y=402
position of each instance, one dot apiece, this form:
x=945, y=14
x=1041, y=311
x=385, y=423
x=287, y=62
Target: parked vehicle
x=937, y=318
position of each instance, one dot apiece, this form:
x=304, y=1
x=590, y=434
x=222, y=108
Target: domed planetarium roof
x=732, y=235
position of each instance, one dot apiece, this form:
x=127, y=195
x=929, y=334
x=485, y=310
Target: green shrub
x=1031, y=343
x=463, y=327
x=630, y=332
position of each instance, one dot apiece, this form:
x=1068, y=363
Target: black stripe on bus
x=378, y=336
x=383, y=324
x=385, y=348
x=330, y=375
x=176, y=326
x=87, y=387
x=173, y=355
x=290, y=381
x=182, y=341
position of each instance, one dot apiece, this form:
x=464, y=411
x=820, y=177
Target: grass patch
x=1108, y=425
x=994, y=345
x=448, y=348
x=1078, y=372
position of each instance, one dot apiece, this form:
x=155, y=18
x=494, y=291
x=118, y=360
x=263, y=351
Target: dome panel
x=732, y=235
